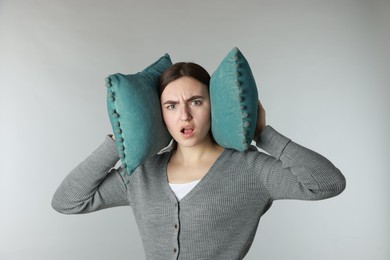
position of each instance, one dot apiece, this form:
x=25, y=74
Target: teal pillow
x=134, y=110
x=234, y=101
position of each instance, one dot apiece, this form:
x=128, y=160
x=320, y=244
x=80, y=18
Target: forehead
x=184, y=87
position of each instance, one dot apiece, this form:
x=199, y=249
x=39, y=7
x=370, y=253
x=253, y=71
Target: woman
x=198, y=200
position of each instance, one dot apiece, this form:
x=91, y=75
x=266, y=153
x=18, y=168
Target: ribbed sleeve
x=272, y=142
x=296, y=172
x=93, y=184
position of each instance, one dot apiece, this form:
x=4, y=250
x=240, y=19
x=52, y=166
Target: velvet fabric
x=234, y=102
x=134, y=111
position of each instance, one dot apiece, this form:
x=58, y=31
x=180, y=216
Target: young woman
x=198, y=200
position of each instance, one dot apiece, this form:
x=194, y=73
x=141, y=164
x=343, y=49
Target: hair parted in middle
x=183, y=69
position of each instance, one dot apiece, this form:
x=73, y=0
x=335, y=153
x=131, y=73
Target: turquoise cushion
x=234, y=101
x=134, y=110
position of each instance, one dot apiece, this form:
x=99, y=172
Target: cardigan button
x=174, y=250
x=176, y=226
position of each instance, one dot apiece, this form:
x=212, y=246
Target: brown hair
x=183, y=69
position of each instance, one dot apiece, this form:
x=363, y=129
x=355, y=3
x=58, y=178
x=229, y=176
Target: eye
x=170, y=107
x=196, y=102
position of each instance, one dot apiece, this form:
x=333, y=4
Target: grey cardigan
x=218, y=219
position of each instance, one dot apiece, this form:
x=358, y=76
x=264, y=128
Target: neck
x=195, y=154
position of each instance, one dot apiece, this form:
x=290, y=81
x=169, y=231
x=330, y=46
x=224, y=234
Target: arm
x=93, y=184
x=293, y=171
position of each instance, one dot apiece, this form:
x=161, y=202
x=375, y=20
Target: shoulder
x=252, y=151
x=161, y=157
x=153, y=165
x=246, y=158
x=241, y=171
x=252, y=160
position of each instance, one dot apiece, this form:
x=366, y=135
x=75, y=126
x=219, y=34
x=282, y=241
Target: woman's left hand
x=261, y=123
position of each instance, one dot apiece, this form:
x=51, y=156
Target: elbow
x=65, y=207
x=332, y=185
x=59, y=206
x=70, y=207
x=340, y=183
x=336, y=184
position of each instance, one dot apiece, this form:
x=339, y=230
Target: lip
x=187, y=131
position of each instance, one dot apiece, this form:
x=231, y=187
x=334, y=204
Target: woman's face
x=185, y=104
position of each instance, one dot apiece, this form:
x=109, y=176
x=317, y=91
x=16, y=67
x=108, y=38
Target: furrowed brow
x=195, y=97
x=170, y=102
x=188, y=100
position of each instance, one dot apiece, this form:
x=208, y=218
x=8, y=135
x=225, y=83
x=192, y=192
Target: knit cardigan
x=217, y=219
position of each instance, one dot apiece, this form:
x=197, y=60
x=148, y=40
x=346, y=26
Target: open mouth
x=187, y=130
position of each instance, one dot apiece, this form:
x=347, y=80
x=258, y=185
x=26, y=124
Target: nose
x=185, y=113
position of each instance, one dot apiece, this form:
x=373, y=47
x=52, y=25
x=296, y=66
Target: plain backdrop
x=322, y=70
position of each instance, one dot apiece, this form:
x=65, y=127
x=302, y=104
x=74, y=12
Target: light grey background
x=322, y=69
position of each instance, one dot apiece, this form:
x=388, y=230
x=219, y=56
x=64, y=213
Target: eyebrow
x=188, y=100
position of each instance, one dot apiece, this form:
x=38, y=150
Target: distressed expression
x=186, y=111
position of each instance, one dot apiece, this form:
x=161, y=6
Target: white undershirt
x=183, y=189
